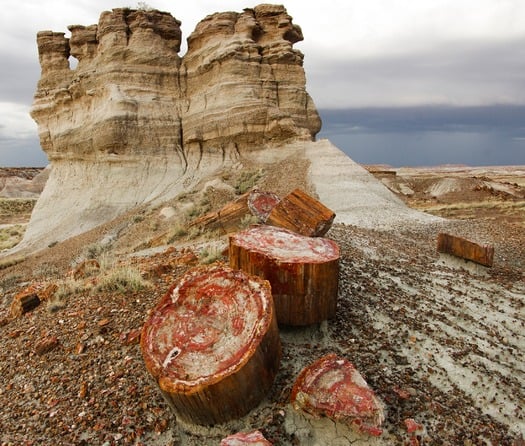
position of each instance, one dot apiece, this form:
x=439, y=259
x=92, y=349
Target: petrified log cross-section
x=212, y=344
x=256, y=203
x=332, y=387
x=460, y=247
x=303, y=271
x=303, y=214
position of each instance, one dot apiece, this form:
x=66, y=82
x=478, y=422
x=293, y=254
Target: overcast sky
x=358, y=53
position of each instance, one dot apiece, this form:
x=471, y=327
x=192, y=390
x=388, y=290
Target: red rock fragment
x=84, y=269
x=79, y=348
x=130, y=337
x=46, y=345
x=332, y=387
x=412, y=426
x=254, y=438
x=103, y=322
x=31, y=297
x=82, y=392
x=401, y=393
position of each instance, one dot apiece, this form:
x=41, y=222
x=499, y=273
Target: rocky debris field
x=439, y=340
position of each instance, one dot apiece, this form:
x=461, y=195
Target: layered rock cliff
x=134, y=122
x=240, y=85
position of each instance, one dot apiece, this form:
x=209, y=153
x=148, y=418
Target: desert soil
x=440, y=340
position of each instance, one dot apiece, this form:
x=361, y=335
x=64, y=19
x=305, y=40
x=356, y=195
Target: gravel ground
x=440, y=341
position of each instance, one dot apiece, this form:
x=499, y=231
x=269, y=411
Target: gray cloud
x=24, y=152
x=458, y=73
x=18, y=78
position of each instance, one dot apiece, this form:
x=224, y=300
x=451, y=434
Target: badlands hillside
x=141, y=143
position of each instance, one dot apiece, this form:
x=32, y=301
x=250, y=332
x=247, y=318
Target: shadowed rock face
x=240, y=86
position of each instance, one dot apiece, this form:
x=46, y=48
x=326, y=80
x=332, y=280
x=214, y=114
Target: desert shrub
x=178, y=231
x=9, y=281
x=210, y=255
x=247, y=180
x=10, y=236
x=95, y=250
x=66, y=288
x=248, y=220
x=16, y=206
x=122, y=279
x=46, y=270
x=11, y=261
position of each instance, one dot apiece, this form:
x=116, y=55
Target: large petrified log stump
x=303, y=271
x=255, y=204
x=460, y=247
x=303, y=214
x=212, y=344
x=332, y=387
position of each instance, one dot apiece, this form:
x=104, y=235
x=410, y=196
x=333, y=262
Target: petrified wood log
x=303, y=214
x=31, y=297
x=256, y=203
x=303, y=271
x=254, y=438
x=460, y=247
x=332, y=387
x=212, y=344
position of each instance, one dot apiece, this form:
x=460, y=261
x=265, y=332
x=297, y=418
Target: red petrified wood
x=332, y=387
x=460, y=247
x=212, y=344
x=255, y=205
x=303, y=271
x=303, y=214
x=254, y=438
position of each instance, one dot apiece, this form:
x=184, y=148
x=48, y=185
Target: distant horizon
x=418, y=136
x=433, y=135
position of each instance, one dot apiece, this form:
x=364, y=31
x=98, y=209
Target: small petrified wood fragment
x=212, y=344
x=332, y=387
x=460, y=247
x=31, y=297
x=303, y=214
x=303, y=271
x=255, y=204
x=254, y=438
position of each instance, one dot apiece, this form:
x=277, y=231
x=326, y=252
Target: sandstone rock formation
x=134, y=122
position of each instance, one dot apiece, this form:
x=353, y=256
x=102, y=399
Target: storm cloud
x=426, y=136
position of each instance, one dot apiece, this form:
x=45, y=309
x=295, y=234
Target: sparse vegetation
x=210, y=254
x=16, y=207
x=122, y=279
x=11, y=261
x=248, y=220
x=178, y=231
x=95, y=250
x=10, y=236
x=247, y=180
